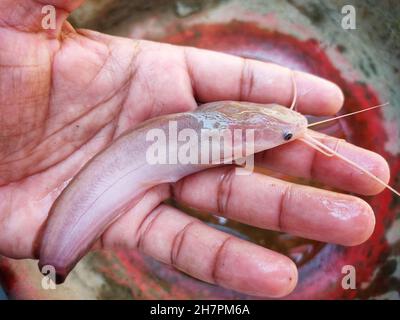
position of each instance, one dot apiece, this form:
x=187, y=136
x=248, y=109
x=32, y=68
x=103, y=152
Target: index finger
x=218, y=76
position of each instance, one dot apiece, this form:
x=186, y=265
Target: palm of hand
x=62, y=103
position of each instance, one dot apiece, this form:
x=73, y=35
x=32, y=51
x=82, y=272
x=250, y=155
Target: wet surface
x=2, y=294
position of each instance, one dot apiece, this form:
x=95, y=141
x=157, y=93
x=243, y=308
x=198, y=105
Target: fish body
x=118, y=177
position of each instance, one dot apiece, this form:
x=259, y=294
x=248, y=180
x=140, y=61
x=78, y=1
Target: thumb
x=36, y=16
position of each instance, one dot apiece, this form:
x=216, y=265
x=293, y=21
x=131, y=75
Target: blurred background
x=2, y=294
x=303, y=35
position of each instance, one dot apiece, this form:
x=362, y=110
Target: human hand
x=65, y=95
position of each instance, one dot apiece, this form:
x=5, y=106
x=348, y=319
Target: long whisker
x=352, y=163
x=312, y=145
x=347, y=115
x=294, y=102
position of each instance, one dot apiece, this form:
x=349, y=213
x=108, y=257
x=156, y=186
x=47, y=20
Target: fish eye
x=287, y=136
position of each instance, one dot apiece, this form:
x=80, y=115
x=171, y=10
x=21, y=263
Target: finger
x=217, y=76
x=300, y=160
x=27, y=15
x=274, y=204
x=213, y=256
x=203, y=252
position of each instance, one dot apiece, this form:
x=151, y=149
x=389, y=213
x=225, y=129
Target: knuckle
x=285, y=198
x=146, y=225
x=246, y=80
x=224, y=189
x=178, y=241
x=218, y=264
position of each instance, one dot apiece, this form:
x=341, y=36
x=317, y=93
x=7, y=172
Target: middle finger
x=270, y=203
